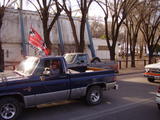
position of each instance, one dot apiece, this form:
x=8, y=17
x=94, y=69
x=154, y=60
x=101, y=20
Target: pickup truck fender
x=104, y=86
x=81, y=92
x=101, y=84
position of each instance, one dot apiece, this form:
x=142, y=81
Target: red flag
x=36, y=40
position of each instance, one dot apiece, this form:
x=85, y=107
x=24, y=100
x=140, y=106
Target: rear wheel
x=94, y=95
x=10, y=108
x=151, y=79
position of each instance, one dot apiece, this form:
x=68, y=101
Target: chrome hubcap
x=95, y=96
x=8, y=111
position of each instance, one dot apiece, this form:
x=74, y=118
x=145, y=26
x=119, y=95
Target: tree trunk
x=2, y=9
x=82, y=30
x=127, y=52
x=46, y=35
x=133, y=42
x=150, y=56
x=141, y=51
x=1, y=58
x=133, y=58
x=74, y=33
x=112, y=53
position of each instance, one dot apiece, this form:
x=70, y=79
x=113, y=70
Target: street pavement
x=135, y=100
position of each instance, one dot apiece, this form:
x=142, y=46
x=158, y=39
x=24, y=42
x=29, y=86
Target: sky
x=94, y=12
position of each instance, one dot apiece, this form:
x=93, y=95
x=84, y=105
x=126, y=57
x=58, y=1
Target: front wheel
x=151, y=79
x=10, y=108
x=94, y=95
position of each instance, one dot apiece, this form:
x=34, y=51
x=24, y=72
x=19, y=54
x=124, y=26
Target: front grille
x=154, y=70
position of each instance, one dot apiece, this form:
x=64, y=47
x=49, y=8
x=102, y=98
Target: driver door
x=57, y=87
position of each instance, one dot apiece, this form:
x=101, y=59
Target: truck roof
x=48, y=57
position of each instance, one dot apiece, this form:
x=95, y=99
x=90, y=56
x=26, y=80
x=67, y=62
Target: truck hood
x=10, y=76
x=156, y=65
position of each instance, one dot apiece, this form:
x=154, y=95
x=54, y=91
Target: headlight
x=147, y=69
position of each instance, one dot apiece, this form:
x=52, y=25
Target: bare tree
x=83, y=9
x=3, y=5
x=133, y=23
x=117, y=11
x=43, y=8
x=150, y=27
x=97, y=29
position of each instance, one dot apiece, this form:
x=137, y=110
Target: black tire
x=95, y=60
x=151, y=79
x=94, y=95
x=158, y=106
x=10, y=108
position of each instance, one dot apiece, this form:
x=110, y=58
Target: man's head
x=55, y=64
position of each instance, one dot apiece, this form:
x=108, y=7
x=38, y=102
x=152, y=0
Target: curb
x=121, y=74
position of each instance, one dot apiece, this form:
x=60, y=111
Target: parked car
x=47, y=79
x=158, y=98
x=152, y=72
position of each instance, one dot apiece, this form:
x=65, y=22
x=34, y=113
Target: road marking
x=114, y=110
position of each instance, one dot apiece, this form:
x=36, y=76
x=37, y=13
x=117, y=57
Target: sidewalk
x=138, y=69
x=130, y=70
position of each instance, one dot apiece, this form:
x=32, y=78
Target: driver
x=55, y=68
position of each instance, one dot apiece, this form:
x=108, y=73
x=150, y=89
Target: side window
x=82, y=58
x=49, y=67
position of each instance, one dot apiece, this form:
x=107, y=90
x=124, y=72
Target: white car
x=158, y=98
x=152, y=72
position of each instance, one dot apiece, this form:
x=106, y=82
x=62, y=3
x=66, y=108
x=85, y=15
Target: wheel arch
x=101, y=85
x=17, y=96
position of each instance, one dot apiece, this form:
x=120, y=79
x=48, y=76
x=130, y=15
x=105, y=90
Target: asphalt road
x=135, y=100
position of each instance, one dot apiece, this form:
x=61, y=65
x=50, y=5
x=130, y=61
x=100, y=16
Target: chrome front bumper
x=151, y=76
x=113, y=85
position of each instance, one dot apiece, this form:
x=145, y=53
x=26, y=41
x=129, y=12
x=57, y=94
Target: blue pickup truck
x=40, y=80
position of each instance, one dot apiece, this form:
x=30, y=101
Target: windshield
x=27, y=66
x=69, y=58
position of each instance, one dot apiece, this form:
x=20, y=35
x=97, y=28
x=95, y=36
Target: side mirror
x=46, y=71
